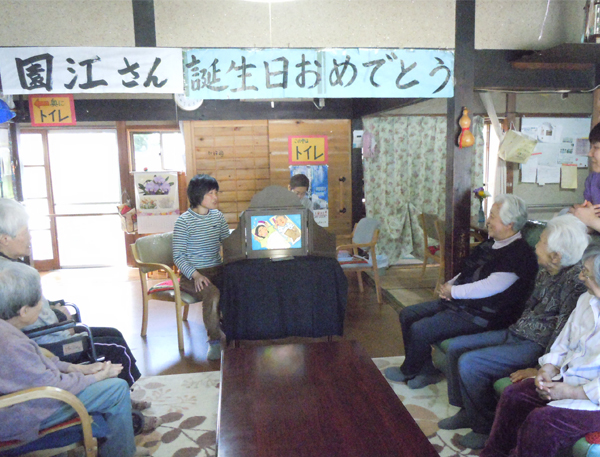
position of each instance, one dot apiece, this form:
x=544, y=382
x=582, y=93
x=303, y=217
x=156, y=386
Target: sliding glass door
x=71, y=187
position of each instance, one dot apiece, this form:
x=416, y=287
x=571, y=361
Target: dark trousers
x=209, y=296
x=475, y=362
x=425, y=324
x=526, y=427
x=110, y=344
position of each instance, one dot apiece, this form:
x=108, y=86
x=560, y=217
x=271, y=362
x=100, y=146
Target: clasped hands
x=549, y=390
x=101, y=370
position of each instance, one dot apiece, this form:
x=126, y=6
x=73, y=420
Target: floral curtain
x=406, y=175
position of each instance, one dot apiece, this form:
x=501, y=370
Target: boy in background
x=197, y=239
x=299, y=184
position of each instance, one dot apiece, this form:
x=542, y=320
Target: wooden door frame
x=54, y=263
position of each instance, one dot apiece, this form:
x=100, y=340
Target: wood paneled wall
x=247, y=156
x=339, y=141
x=236, y=153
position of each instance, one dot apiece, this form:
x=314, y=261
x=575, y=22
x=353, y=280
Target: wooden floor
x=111, y=297
x=407, y=285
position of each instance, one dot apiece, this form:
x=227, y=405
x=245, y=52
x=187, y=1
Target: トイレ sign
x=307, y=150
x=52, y=110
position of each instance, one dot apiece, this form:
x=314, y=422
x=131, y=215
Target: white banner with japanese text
x=91, y=70
x=318, y=73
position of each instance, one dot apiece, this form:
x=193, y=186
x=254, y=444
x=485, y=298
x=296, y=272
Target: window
x=157, y=151
x=495, y=178
x=6, y=170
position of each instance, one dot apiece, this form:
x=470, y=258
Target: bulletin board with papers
x=562, y=148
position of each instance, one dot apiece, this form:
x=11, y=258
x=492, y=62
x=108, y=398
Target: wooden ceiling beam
x=495, y=70
x=552, y=66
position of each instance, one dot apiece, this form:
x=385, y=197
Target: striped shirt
x=576, y=352
x=197, y=240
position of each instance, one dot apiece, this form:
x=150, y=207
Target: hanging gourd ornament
x=466, y=138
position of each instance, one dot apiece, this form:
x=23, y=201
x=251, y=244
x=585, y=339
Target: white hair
x=13, y=217
x=593, y=252
x=567, y=235
x=513, y=210
x=20, y=286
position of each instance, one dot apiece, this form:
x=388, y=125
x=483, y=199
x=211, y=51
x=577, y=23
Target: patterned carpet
x=188, y=405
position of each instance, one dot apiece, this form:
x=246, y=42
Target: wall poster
x=157, y=201
x=318, y=192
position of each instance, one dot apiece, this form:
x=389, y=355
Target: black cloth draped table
x=264, y=299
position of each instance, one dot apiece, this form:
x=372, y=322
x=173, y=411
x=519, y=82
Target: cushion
x=56, y=436
x=433, y=249
x=593, y=438
x=161, y=287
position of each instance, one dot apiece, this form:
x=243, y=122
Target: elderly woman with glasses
x=488, y=294
x=539, y=416
x=23, y=366
x=15, y=243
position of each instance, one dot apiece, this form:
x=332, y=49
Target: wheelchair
x=79, y=348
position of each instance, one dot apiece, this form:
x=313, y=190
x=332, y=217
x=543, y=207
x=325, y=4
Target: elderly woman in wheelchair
x=49, y=329
x=24, y=366
x=15, y=243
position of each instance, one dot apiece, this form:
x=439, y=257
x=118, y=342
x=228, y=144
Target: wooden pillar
x=511, y=117
x=458, y=161
x=144, y=27
x=13, y=137
x=358, y=187
x=596, y=107
x=127, y=183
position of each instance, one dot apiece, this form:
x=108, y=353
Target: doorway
x=71, y=187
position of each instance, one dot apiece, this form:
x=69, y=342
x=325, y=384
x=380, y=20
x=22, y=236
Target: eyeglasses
x=299, y=194
x=587, y=274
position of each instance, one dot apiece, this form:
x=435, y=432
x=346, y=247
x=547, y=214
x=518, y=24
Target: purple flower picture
x=158, y=185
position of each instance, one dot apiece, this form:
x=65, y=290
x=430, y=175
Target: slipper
x=459, y=420
x=144, y=424
x=395, y=374
x=151, y=423
x=140, y=405
x=474, y=440
x=423, y=380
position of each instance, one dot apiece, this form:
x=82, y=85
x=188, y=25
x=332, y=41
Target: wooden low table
x=320, y=399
